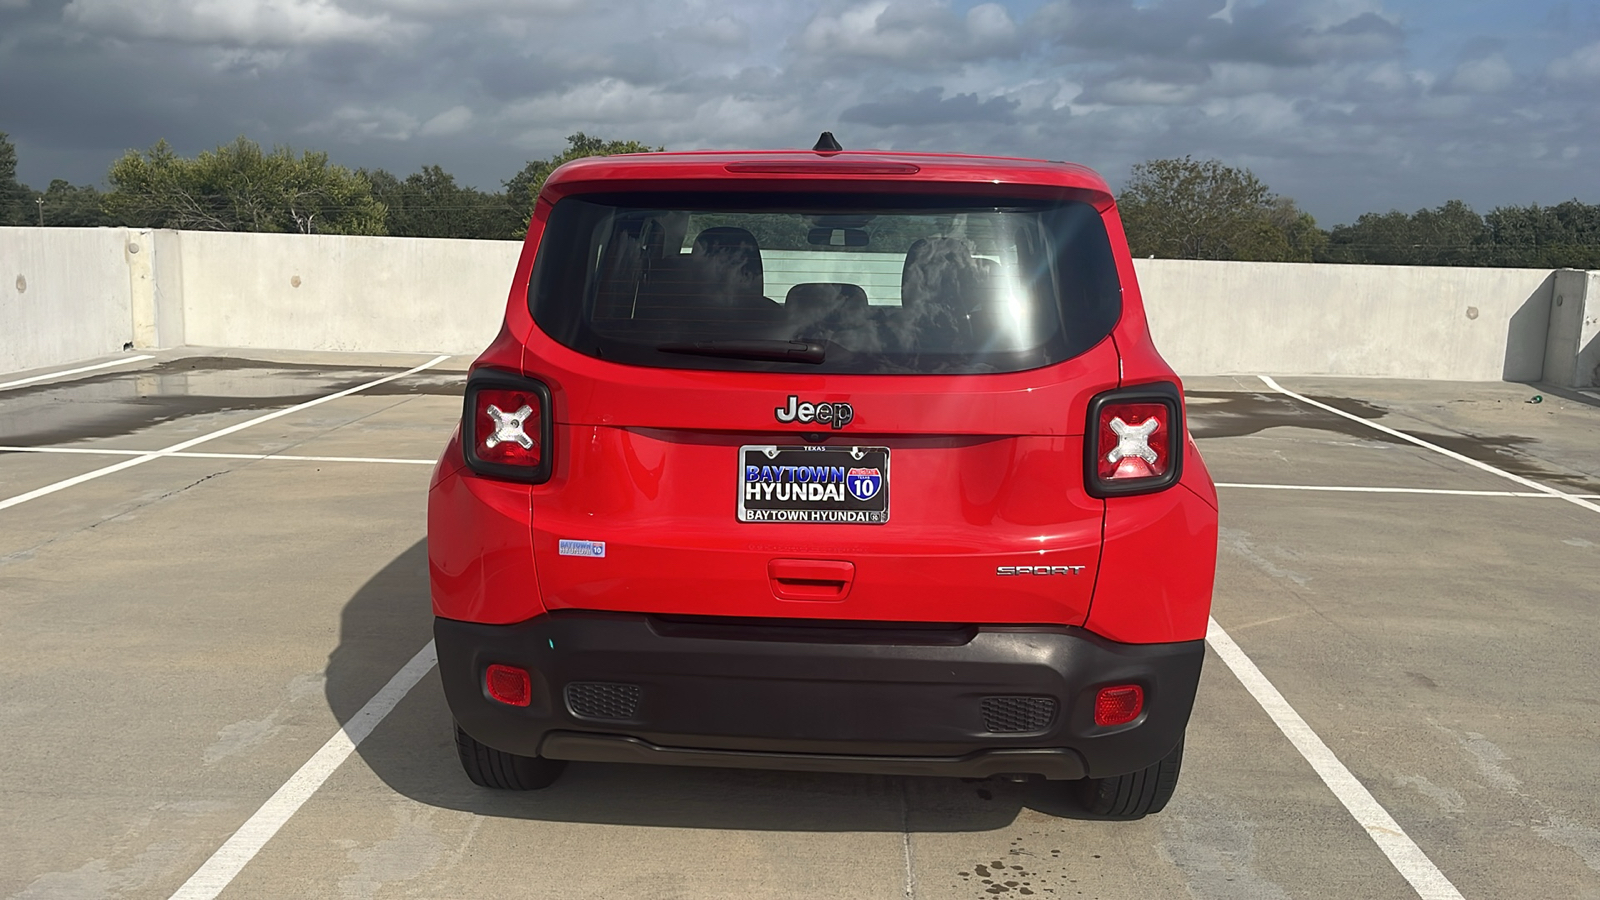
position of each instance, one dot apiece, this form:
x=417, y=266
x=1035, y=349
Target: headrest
x=941, y=271
x=730, y=256
x=818, y=299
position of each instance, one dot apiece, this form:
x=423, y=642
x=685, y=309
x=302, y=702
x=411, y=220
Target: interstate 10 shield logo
x=864, y=483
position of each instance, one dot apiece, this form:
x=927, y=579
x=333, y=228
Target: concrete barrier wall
x=1463, y=324
x=89, y=291
x=65, y=294
x=330, y=292
x=1572, y=348
x=1586, y=369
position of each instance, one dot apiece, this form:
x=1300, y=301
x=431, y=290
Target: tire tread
x=1136, y=794
x=491, y=768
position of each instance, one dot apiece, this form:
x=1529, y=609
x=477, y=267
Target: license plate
x=822, y=485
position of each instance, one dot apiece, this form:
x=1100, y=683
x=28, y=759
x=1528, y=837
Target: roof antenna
x=827, y=143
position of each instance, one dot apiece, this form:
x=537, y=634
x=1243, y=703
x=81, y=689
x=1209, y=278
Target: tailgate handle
x=811, y=579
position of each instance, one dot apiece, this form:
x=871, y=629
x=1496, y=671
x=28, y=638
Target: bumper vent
x=1015, y=715
x=599, y=700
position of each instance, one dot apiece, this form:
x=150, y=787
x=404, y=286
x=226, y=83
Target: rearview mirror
x=837, y=237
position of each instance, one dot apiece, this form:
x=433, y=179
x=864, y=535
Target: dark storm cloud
x=927, y=35
x=1330, y=101
x=1145, y=81
x=1281, y=33
x=89, y=79
x=930, y=107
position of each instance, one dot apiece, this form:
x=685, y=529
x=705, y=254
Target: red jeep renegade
x=829, y=461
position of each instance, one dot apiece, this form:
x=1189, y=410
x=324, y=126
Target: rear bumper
x=818, y=696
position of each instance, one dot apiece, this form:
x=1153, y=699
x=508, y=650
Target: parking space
x=184, y=635
x=1441, y=643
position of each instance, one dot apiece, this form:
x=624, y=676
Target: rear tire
x=491, y=768
x=1134, y=795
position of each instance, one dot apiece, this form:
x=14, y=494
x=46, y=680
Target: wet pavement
x=182, y=636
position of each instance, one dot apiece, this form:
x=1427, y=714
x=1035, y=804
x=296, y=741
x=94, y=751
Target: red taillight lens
x=1135, y=441
x=509, y=427
x=509, y=685
x=1118, y=705
x=506, y=430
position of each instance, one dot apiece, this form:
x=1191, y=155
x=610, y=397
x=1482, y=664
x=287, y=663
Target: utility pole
x=40, y=201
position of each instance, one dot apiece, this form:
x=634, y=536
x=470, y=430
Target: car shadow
x=413, y=752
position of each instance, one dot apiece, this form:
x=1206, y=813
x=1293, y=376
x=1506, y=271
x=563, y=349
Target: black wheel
x=491, y=768
x=1135, y=795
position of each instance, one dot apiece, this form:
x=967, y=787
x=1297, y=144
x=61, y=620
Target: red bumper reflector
x=509, y=685
x=1118, y=705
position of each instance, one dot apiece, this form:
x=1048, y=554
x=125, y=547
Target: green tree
x=430, y=204
x=1189, y=209
x=523, y=188
x=1452, y=235
x=240, y=187
x=1304, y=240
x=68, y=205
x=1564, y=236
x=16, y=201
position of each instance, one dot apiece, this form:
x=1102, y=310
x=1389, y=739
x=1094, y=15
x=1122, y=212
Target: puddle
x=1220, y=415
x=113, y=404
x=1223, y=415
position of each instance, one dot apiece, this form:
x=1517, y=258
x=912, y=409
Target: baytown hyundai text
x=825, y=461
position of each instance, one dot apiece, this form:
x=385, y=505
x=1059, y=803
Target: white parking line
x=229, y=860
x=1388, y=490
x=1408, y=859
x=223, y=432
x=1570, y=498
x=105, y=451
x=78, y=371
x=225, y=864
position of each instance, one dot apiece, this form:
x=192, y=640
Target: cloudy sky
x=1348, y=106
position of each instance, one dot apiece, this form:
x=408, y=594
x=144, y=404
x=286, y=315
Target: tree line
x=242, y=187
x=1190, y=209
x=1171, y=208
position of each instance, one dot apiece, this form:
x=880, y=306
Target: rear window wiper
x=777, y=351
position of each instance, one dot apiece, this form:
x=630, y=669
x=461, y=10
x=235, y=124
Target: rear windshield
x=820, y=283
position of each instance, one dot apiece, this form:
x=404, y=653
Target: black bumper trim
x=841, y=696
x=1055, y=764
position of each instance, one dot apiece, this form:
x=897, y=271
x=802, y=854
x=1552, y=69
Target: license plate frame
x=777, y=480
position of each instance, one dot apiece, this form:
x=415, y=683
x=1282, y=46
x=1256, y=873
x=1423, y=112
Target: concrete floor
x=183, y=635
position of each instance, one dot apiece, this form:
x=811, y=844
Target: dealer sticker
x=591, y=549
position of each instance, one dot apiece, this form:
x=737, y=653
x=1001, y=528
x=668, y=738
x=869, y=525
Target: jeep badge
x=837, y=415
